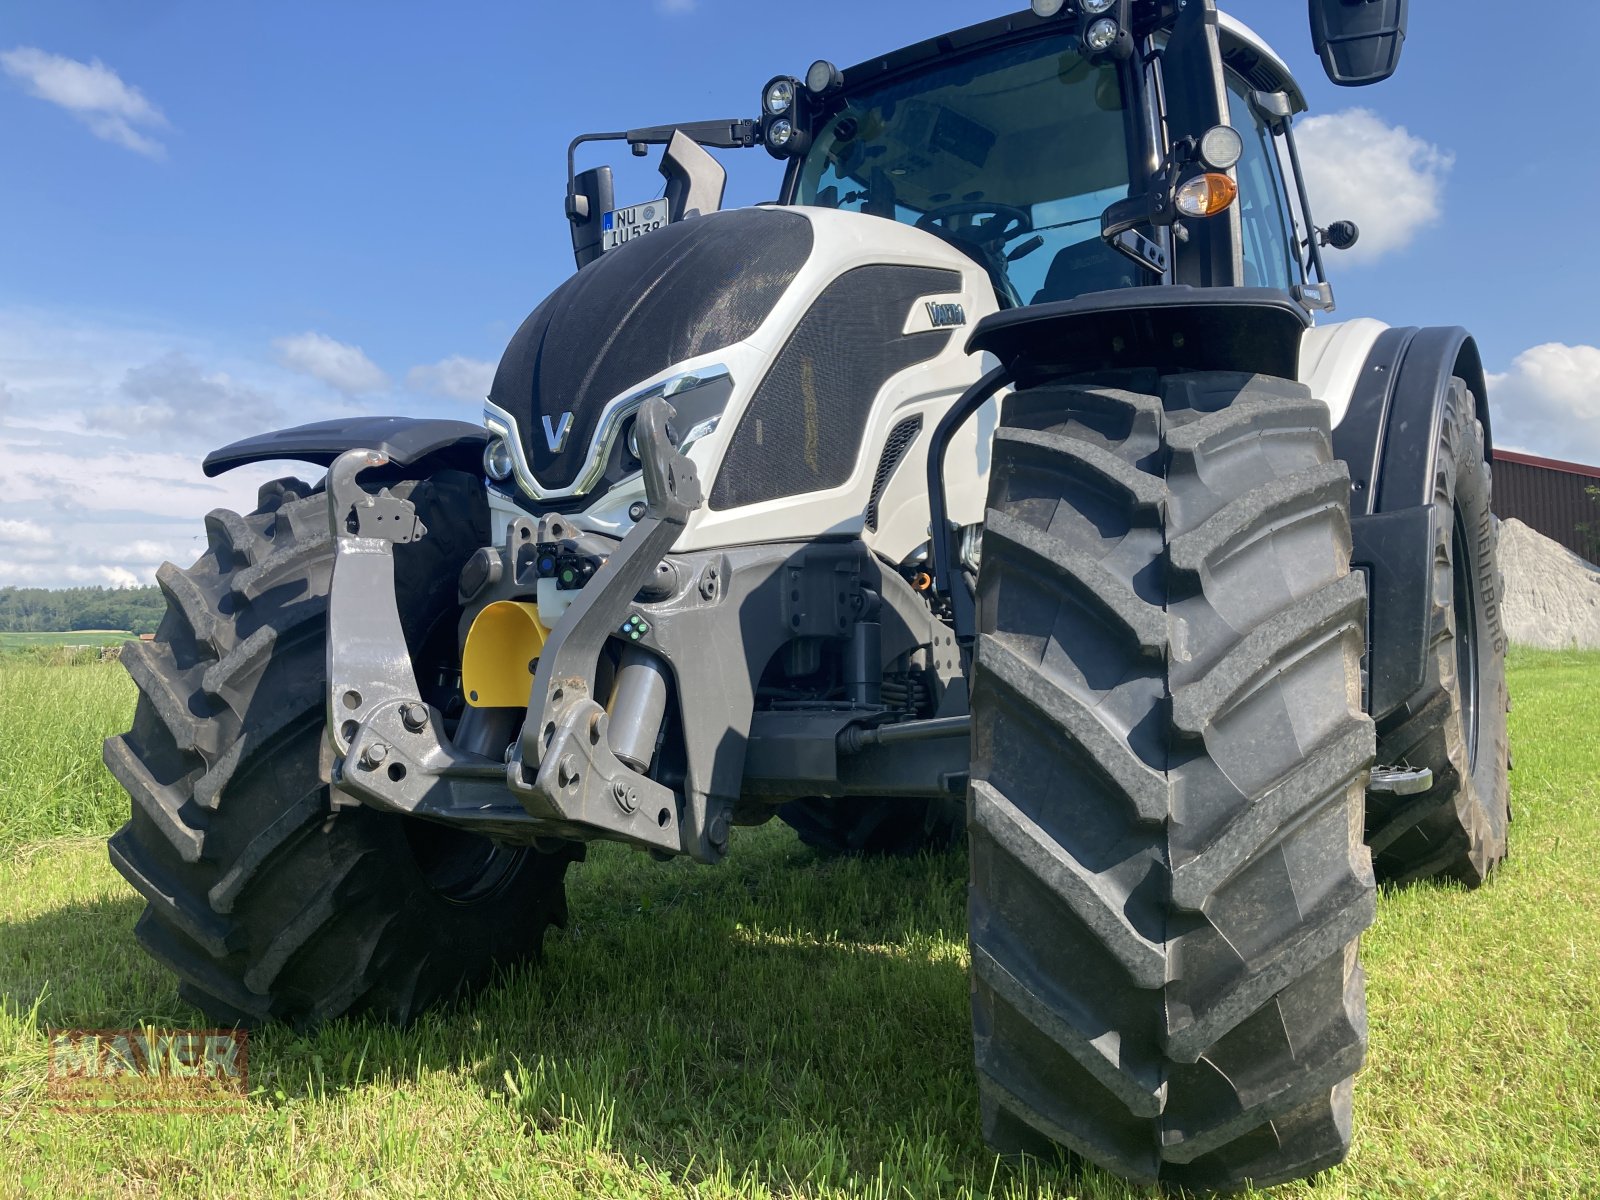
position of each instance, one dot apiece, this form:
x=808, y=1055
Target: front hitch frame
x=562, y=766
x=390, y=746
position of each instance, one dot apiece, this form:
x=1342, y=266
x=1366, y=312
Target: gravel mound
x=1552, y=597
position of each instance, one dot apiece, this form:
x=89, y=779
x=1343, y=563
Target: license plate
x=624, y=224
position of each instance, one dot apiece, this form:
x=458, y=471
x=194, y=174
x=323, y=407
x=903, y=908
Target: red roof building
x=1559, y=499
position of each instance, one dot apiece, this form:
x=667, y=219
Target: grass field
x=777, y=1026
x=75, y=637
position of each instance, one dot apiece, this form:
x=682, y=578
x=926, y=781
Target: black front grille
x=802, y=431
x=900, y=439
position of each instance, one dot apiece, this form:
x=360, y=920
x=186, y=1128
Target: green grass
x=779, y=1025
x=75, y=637
x=52, y=721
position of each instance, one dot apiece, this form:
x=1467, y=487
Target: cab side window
x=1271, y=255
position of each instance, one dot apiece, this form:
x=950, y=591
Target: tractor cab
x=1068, y=154
x=1011, y=154
x=1082, y=146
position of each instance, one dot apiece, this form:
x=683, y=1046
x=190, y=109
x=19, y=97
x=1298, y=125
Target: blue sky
x=215, y=218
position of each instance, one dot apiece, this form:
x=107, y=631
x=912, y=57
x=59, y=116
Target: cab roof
x=1242, y=49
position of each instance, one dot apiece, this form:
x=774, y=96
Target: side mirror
x=1341, y=235
x=591, y=197
x=1359, y=41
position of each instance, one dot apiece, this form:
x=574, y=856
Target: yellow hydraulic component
x=503, y=647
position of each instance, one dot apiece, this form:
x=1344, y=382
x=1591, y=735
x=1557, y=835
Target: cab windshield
x=1011, y=155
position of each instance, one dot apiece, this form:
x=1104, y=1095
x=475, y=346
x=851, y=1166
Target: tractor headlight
x=1101, y=35
x=497, y=462
x=1221, y=147
x=1206, y=195
x=823, y=78
x=779, y=97
x=1107, y=28
x=786, y=114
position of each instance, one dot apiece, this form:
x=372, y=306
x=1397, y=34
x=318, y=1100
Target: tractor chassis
x=711, y=620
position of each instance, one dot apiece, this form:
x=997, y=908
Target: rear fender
x=1389, y=437
x=415, y=446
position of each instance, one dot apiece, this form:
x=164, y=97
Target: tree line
x=58, y=610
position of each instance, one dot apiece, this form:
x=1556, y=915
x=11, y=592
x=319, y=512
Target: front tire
x=264, y=900
x=1169, y=759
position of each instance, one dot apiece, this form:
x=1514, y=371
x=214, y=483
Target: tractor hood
x=691, y=289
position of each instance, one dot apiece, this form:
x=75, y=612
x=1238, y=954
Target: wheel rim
x=1466, y=614
x=460, y=867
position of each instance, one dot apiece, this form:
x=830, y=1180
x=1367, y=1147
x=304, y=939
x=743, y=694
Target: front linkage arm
x=391, y=747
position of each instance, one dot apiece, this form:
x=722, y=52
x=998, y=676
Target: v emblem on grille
x=557, y=432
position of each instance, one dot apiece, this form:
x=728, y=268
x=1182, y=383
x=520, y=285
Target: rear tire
x=266, y=902
x=1456, y=723
x=1169, y=760
x=891, y=827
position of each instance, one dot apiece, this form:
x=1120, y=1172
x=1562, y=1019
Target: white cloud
x=93, y=93
x=143, y=550
x=102, y=445
x=109, y=517
x=1388, y=181
x=22, y=533
x=1549, y=403
x=22, y=574
x=108, y=422
x=346, y=368
x=460, y=378
x=174, y=397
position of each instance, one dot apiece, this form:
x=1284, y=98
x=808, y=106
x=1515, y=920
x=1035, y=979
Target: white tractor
x=1006, y=477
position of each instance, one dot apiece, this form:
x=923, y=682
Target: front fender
x=410, y=443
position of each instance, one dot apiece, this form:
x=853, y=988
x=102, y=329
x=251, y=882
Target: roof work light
x=786, y=116
x=1107, y=28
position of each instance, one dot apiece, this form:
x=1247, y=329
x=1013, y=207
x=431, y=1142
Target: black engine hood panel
x=687, y=290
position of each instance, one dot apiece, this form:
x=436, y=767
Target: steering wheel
x=1006, y=222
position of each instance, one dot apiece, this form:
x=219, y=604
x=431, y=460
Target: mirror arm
x=729, y=134
x=719, y=135
x=572, y=151
x=1155, y=207
x=1120, y=222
